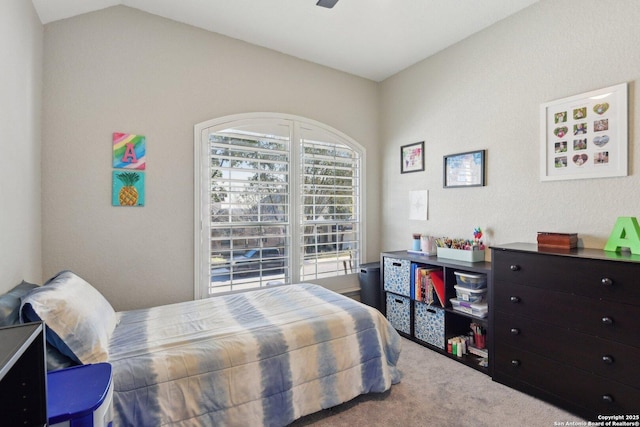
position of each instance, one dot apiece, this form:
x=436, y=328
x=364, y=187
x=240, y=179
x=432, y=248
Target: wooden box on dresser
x=566, y=327
x=431, y=325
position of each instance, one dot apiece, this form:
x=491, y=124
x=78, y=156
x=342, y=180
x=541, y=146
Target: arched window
x=277, y=200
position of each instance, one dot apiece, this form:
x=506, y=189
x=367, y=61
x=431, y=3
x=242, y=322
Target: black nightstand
x=23, y=374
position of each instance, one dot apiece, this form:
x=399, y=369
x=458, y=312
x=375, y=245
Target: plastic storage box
x=471, y=281
x=475, y=309
x=461, y=254
x=80, y=396
x=470, y=295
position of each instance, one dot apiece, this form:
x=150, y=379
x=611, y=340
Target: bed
x=264, y=357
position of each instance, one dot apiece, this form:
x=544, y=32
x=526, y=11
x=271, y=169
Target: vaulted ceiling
x=369, y=38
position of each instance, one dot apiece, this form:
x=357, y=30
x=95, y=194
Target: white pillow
x=76, y=312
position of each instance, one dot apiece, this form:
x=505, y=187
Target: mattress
x=265, y=357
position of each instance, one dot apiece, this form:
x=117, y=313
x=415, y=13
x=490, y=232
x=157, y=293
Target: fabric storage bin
x=429, y=324
x=399, y=312
x=397, y=276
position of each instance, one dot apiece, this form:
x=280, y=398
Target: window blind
x=249, y=209
x=330, y=219
x=278, y=202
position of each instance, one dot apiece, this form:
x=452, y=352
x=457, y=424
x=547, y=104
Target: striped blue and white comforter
x=265, y=357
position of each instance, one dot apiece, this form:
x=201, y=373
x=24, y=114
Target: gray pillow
x=10, y=303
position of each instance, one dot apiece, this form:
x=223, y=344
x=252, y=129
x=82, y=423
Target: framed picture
x=464, y=169
x=128, y=188
x=412, y=157
x=585, y=136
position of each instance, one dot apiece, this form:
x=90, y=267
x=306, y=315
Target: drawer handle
x=515, y=331
x=607, y=359
x=607, y=320
x=607, y=398
x=396, y=264
x=514, y=267
x=606, y=282
x=514, y=300
x=515, y=363
x=399, y=301
x=431, y=310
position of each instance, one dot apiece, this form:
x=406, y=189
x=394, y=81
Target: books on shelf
x=427, y=282
x=438, y=285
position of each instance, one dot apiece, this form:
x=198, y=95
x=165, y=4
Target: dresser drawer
x=397, y=276
x=593, y=393
x=606, y=358
x=604, y=319
x=610, y=280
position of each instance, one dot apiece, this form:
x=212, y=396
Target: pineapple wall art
x=128, y=188
x=129, y=158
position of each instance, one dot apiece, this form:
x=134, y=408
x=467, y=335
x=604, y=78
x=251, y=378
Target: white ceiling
x=369, y=38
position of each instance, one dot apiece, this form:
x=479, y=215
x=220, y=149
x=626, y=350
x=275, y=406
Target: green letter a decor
x=625, y=234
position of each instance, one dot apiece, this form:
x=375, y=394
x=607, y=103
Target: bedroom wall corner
x=21, y=47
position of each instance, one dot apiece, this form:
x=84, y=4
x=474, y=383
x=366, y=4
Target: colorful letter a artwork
x=129, y=152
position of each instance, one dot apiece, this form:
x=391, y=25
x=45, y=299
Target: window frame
x=201, y=188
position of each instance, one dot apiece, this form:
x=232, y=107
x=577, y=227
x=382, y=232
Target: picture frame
x=585, y=136
x=464, y=169
x=412, y=157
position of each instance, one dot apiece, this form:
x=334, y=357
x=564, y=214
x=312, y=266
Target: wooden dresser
x=567, y=327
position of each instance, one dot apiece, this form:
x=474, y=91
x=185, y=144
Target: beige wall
x=123, y=70
x=20, y=118
x=485, y=93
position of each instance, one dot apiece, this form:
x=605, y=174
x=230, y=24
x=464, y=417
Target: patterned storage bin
x=399, y=312
x=397, y=276
x=429, y=324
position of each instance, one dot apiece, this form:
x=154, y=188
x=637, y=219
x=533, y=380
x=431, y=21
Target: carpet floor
x=438, y=391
